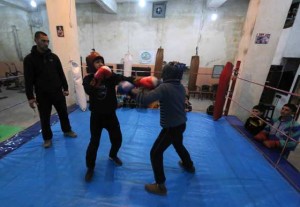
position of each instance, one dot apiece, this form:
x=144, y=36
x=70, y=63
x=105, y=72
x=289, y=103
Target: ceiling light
x=142, y=3
x=33, y=3
x=214, y=16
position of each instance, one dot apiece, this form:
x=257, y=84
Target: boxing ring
x=230, y=171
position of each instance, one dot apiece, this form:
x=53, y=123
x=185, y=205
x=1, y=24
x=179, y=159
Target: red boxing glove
x=261, y=136
x=149, y=82
x=103, y=72
x=272, y=143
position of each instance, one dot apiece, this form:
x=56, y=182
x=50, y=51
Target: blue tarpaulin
x=230, y=171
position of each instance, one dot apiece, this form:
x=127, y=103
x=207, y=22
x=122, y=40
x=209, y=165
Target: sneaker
x=70, y=134
x=188, y=169
x=116, y=160
x=89, y=175
x=47, y=143
x=158, y=189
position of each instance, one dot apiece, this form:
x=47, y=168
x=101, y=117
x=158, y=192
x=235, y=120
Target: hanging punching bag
x=127, y=64
x=159, y=63
x=193, y=72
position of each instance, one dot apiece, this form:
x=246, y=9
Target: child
x=103, y=105
x=253, y=123
x=285, y=123
x=171, y=96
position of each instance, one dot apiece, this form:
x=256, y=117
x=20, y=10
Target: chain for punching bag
x=159, y=62
x=195, y=61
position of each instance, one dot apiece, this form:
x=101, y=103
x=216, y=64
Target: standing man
x=46, y=85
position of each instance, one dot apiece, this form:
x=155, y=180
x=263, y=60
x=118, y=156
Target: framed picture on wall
x=296, y=99
x=159, y=9
x=217, y=70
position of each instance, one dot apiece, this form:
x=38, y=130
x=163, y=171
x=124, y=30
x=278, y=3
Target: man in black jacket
x=103, y=105
x=46, y=85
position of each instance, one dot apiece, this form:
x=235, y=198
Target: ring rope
x=282, y=133
x=276, y=89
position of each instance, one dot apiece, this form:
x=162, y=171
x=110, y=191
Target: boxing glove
x=149, y=82
x=271, y=143
x=103, y=72
x=261, y=136
x=125, y=87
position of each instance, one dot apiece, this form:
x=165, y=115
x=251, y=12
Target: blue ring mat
x=230, y=171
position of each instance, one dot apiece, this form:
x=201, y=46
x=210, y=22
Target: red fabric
x=261, y=136
x=272, y=143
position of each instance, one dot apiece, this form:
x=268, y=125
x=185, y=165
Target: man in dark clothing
x=46, y=85
x=171, y=96
x=103, y=105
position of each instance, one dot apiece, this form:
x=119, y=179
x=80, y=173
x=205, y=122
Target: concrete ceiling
x=108, y=5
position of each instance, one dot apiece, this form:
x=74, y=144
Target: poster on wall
x=146, y=57
x=262, y=38
x=60, y=31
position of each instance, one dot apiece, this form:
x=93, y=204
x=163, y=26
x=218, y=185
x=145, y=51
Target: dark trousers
x=45, y=102
x=109, y=122
x=168, y=136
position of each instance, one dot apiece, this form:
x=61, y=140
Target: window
x=217, y=70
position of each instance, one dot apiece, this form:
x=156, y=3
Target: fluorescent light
x=142, y=3
x=214, y=16
x=33, y=3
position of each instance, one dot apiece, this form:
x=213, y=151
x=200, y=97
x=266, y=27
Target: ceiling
x=25, y=4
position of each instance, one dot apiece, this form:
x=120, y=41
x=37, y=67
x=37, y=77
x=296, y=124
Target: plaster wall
x=187, y=25
x=257, y=58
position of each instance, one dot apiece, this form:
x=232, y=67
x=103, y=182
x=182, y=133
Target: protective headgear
x=90, y=59
x=173, y=71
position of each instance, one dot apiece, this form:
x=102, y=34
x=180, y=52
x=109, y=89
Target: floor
x=14, y=111
x=226, y=175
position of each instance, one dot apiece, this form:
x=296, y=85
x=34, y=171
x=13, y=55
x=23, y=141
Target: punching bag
x=193, y=73
x=223, y=85
x=127, y=64
x=159, y=63
x=79, y=90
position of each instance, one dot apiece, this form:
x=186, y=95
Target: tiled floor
x=14, y=111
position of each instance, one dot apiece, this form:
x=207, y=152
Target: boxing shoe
x=155, y=188
x=89, y=175
x=188, y=169
x=47, y=143
x=116, y=160
x=70, y=134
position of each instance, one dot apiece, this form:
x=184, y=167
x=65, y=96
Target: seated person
x=272, y=138
x=188, y=105
x=253, y=123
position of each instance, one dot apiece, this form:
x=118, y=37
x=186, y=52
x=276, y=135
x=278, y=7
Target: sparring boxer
x=171, y=96
x=103, y=105
x=272, y=138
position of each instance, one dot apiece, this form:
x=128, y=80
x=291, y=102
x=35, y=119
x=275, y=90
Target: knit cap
x=90, y=59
